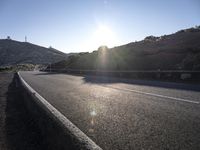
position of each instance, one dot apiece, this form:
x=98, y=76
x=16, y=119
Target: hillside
x=178, y=51
x=14, y=52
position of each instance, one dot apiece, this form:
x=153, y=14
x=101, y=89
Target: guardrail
x=58, y=131
x=123, y=71
x=149, y=74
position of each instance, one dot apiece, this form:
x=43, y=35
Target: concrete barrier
x=57, y=131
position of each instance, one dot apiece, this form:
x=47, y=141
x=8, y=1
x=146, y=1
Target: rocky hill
x=14, y=52
x=177, y=51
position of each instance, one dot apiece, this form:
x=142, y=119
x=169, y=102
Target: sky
x=84, y=25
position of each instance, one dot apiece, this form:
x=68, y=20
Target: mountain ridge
x=177, y=51
x=14, y=52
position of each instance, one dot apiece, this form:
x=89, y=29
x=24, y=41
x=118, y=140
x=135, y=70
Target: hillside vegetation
x=14, y=52
x=178, y=51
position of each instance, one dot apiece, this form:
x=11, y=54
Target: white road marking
x=156, y=95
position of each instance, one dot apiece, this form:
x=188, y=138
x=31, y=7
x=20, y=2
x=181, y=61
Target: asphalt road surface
x=125, y=114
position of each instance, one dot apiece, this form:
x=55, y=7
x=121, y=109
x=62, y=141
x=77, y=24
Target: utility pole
x=25, y=39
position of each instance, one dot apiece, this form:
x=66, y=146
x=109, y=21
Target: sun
x=101, y=35
x=104, y=36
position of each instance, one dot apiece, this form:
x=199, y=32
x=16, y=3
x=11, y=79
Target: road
x=121, y=114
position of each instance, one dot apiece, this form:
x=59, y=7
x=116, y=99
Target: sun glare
x=104, y=36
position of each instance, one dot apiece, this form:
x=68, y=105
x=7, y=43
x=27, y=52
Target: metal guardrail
x=147, y=74
x=127, y=71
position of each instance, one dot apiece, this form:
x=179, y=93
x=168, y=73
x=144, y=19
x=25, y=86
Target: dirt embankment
x=17, y=129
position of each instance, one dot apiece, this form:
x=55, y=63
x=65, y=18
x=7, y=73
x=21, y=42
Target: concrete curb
x=59, y=132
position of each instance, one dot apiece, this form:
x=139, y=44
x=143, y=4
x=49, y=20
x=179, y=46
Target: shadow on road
x=21, y=132
x=145, y=82
x=160, y=84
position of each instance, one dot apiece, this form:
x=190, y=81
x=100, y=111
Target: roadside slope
x=17, y=129
x=177, y=51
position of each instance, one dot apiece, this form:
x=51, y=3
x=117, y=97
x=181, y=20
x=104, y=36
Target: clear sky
x=84, y=25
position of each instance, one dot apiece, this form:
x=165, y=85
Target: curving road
x=120, y=114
